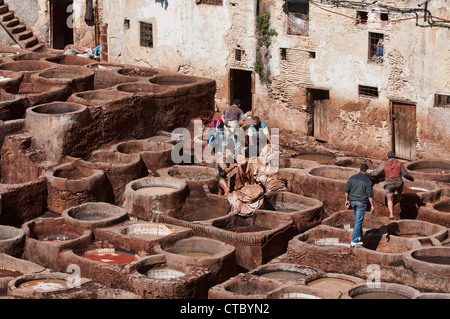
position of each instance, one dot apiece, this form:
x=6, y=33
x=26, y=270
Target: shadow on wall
x=164, y=3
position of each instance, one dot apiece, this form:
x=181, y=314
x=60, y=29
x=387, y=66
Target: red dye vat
x=110, y=257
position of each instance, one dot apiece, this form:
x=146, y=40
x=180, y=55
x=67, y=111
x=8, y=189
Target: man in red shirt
x=393, y=171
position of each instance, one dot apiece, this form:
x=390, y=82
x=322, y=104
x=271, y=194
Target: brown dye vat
x=194, y=176
x=98, y=97
x=285, y=272
x=5, y=272
x=383, y=291
x=431, y=170
x=345, y=219
x=319, y=158
x=41, y=93
x=141, y=88
x=155, y=190
x=68, y=59
x=110, y=256
x=93, y=215
x=27, y=68
x=44, y=285
x=333, y=172
x=430, y=261
x=379, y=295
x=79, y=79
x=417, y=229
x=441, y=260
x=174, y=80
x=331, y=284
x=243, y=286
x=305, y=211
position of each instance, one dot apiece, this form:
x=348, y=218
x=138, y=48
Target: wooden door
x=404, y=130
x=321, y=119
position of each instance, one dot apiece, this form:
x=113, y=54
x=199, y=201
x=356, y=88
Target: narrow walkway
x=18, y=31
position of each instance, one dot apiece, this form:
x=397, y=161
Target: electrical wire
x=362, y=5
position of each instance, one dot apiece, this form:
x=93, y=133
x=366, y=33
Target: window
x=283, y=53
x=361, y=17
x=212, y=2
x=367, y=91
x=442, y=100
x=238, y=53
x=298, y=17
x=146, y=34
x=384, y=17
x=376, y=47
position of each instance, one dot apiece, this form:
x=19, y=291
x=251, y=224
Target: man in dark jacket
x=359, y=193
x=393, y=171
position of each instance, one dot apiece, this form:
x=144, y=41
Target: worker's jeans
x=359, y=209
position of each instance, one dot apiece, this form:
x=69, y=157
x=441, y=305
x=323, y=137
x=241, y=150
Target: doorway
x=241, y=87
x=318, y=102
x=404, y=130
x=61, y=23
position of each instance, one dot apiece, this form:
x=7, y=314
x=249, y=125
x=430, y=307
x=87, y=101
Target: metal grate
x=146, y=34
x=442, y=100
x=238, y=53
x=369, y=91
x=376, y=47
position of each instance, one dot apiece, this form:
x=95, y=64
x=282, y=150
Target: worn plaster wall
x=415, y=67
x=189, y=38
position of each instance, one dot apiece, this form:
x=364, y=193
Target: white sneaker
x=354, y=244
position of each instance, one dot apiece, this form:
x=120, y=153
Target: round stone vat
x=120, y=169
x=433, y=261
x=27, y=67
x=46, y=237
x=285, y=272
x=243, y=286
x=431, y=170
x=105, y=66
x=257, y=239
x=12, y=240
x=345, y=219
x=214, y=255
x=94, y=215
x=333, y=282
x=41, y=93
x=57, y=127
x=417, y=229
x=204, y=209
x=382, y=291
x=69, y=59
x=437, y=213
x=79, y=79
x=175, y=80
x=310, y=247
x=98, y=97
x=138, y=72
x=102, y=261
x=194, y=176
x=383, y=249
x=12, y=107
x=39, y=286
x=302, y=292
x=155, y=278
x=10, y=80
x=142, y=236
x=32, y=56
x=12, y=267
x=333, y=172
x=148, y=197
x=72, y=184
x=305, y=211
x=155, y=155
x=141, y=88
x=321, y=159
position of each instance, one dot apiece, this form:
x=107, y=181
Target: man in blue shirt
x=358, y=193
x=258, y=133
